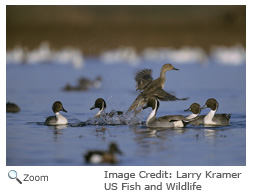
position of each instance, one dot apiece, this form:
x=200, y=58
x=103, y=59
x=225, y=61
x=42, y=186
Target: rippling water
x=35, y=87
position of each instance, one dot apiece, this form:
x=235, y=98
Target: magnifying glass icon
x=14, y=175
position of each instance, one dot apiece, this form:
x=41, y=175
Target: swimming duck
x=212, y=119
x=163, y=121
x=12, y=107
x=98, y=156
x=84, y=84
x=58, y=119
x=151, y=88
x=101, y=104
x=194, y=108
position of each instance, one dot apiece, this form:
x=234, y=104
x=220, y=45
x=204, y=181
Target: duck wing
x=223, y=119
x=138, y=102
x=143, y=97
x=143, y=78
x=162, y=95
x=171, y=117
x=51, y=120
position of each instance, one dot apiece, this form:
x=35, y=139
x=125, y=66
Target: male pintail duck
x=212, y=119
x=58, y=119
x=151, y=88
x=101, y=104
x=160, y=122
x=97, y=156
x=12, y=107
x=194, y=108
x=84, y=84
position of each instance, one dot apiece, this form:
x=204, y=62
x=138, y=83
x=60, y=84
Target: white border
x=89, y=180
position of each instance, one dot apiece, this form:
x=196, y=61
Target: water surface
x=35, y=87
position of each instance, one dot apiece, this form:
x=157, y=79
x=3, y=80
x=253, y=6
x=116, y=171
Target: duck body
x=194, y=108
x=162, y=122
x=212, y=119
x=84, y=84
x=58, y=119
x=151, y=88
x=12, y=107
x=97, y=156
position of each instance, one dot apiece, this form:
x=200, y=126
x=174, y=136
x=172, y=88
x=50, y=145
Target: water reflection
x=58, y=127
x=214, y=133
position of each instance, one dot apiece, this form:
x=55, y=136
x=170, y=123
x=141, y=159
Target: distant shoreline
x=95, y=29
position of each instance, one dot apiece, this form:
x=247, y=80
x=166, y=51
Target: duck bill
x=92, y=108
x=64, y=110
x=189, y=109
x=175, y=69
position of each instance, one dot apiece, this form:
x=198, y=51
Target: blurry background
x=93, y=29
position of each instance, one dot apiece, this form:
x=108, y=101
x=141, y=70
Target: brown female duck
x=151, y=88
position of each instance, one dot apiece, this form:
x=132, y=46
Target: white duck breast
x=212, y=119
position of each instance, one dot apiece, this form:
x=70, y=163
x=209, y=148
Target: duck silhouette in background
x=98, y=156
x=85, y=84
x=12, y=108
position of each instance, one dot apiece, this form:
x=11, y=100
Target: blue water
x=35, y=87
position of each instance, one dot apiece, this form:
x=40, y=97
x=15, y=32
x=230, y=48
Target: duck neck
x=191, y=116
x=210, y=115
x=151, y=117
x=163, y=78
x=101, y=110
x=99, y=113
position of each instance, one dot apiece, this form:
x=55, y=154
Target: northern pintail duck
x=58, y=119
x=98, y=156
x=151, y=88
x=161, y=122
x=194, y=108
x=101, y=104
x=196, y=119
x=212, y=119
x=84, y=84
x=12, y=107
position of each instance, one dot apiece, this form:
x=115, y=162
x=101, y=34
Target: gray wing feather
x=51, y=119
x=165, y=96
x=143, y=78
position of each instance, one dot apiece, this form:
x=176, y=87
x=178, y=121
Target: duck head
x=113, y=148
x=58, y=106
x=99, y=103
x=211, y=103
x=194, y=108
x=168, y=67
